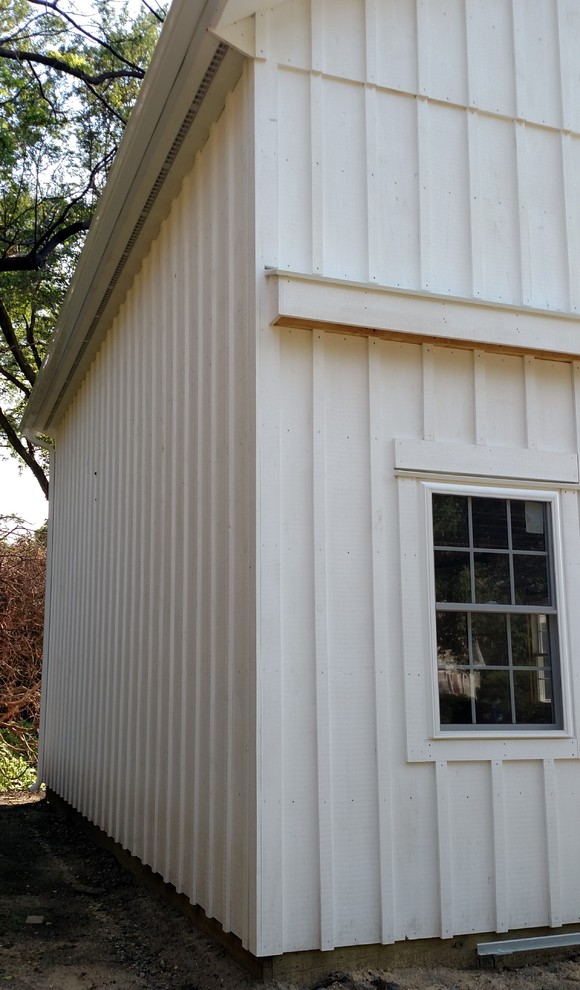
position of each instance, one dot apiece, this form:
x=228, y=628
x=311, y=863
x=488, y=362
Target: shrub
x=22, y=579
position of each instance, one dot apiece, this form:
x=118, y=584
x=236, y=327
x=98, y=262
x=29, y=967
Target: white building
x=325, y=321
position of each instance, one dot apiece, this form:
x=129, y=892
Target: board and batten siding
x=377, y=842
x=150, y=707
x=427, y=147
x=442, y=135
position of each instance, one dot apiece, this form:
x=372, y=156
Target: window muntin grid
x=495, y=612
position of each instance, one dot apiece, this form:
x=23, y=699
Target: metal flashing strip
x=510, y=946
x=210, y=73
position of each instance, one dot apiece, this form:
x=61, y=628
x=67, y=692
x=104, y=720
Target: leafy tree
x=69, y=75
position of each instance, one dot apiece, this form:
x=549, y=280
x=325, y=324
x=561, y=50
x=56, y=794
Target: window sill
x=475, y=746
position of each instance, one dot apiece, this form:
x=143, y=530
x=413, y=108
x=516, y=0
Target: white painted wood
x=490, y=56
x=129, y=608
x=499, y=847
x=441, y=457
x=445, y=845
x=528, y=890
x=552, y=844
x=241, y=623
x=379, y=509
x=312, y=301
x=321, y=647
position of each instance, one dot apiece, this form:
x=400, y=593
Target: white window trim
x=426, y=740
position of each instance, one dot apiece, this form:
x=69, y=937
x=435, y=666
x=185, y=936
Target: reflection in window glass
x=495, y=612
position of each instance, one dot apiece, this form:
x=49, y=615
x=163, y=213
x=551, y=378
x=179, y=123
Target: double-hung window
x=495, y=612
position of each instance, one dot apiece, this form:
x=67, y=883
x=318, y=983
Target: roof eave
x=183, y=92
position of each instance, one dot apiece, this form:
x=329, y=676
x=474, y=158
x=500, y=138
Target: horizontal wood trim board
x=480, y=460
x=408, y=337
x=339, y=306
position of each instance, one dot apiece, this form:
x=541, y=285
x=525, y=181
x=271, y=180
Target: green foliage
x=69, y=76
x=15, y=772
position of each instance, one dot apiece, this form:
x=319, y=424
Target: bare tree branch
x=37, y=258
x=52, y=62
x=23, y=451
x=52, y=5
x=12, y=341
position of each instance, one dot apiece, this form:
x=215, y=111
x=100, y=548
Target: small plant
x=15, y=772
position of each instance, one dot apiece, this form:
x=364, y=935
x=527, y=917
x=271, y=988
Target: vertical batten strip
x=213, y=523
x=145, y=486
x=186, y=657
x=527, y=282
x=424, y=196
x=85, y=742
x=316, y=134
x=135, y=482
x=109, y=600
x=77, y=659
x=480, y=397
x=124, y=589
x=173, y=727
x=98, y=676
x=571, y=269
x=269, y=723
x=571, y=196
x=502, y=919
x=476, y=234
x=380, y=649
x=444, y=846
x=153, y=576
x=231, y=396
x=324, y=750
x=372, y=163
x=428, y=371
x=162, y=384
x=372, y=176
x=371, y=35
x=531, y=399
x=202, y=399
x=552, y=843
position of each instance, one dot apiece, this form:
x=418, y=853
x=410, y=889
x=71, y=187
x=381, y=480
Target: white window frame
x=427, y=740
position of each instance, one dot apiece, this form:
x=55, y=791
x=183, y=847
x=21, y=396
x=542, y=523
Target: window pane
x=489, y=522
x=533, y=696
x=456, y=688
x=528, y=525
x=450, y=527
x=452, y=580
x=531, y=580
x=489, y=643
x=452, y=639
x=530, y=640
x=492, y=578
x=493, y=697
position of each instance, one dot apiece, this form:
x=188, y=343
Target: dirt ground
x=72, y=919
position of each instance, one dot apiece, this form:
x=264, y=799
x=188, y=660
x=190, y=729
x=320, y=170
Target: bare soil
x=72, y=919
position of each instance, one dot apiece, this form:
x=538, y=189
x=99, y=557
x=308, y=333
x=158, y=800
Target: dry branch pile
x=22, y=578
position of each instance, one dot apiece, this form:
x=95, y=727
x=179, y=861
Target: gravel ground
x=72, y=919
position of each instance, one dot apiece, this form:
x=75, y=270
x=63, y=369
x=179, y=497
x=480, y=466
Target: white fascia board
x=339, y=305
x=183, y=54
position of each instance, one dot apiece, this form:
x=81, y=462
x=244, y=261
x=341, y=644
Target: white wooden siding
x=479, y=837
x=150, y=730
x=429, y=145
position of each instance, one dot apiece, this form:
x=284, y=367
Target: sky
x=20, y=494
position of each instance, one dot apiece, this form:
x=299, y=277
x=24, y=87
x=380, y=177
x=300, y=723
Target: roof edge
x=165, y=129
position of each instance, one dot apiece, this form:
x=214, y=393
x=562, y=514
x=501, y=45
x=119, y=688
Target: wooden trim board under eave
x=338, y=306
